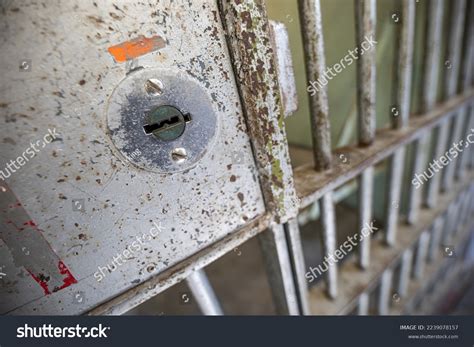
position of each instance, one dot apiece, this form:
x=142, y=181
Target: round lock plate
x=161, y=120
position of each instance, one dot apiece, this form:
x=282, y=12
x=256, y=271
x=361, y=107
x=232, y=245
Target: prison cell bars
x=366, y=93
x=316, y=183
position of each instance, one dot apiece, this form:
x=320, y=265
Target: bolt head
x=179, y=155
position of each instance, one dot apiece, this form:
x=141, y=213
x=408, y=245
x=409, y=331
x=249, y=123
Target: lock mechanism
x=166, y=123
x=166, y=116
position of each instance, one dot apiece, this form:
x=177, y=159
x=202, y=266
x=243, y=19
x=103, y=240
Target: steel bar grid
x=354, y=282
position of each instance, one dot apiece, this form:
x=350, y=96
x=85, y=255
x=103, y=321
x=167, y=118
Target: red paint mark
x=30, y=223
x=68, y=280
x=42, y=283
x=135, y=48
x=63, y=270
x=29, y=247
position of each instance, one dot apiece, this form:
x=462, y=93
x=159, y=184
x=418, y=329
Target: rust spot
x=135, y=48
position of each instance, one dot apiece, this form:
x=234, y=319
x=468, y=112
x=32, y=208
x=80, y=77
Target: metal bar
x=204, y=294
x=454, y=53
x=421, y=254
x=385, y=290
x=312, y=185
x=446, y=236
x=464, y=155
x=395, y=177
x=297, y=257
x=403, y=98
x=466, y=82
x=436, y=232
x=363, y=304
x=453, y=62
x=246, y=24
x=405, y=270
x=403, y=73
x=278, y=264
x=441, y=136
x=366, y=70
x=312, y=32
x=365, y=195
x=433, y=50
x=468, y=59
x=329, y=240
x=430, y=83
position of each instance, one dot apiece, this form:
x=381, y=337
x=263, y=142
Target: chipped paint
x=250, y=45
x=136, y=48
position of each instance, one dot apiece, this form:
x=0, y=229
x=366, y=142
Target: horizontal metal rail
x=312, y=185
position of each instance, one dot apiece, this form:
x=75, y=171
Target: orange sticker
x=135, y=48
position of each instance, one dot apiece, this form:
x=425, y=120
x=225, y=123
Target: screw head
x=154, y=87
x=179, y=155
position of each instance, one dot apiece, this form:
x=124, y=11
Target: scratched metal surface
x=69, y=78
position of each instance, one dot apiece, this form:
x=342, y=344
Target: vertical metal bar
x=405, y=270
x=385, y=290
x=446, y=235
x=464, y=155
x=421, y=254
x=366, y=70
x=297, y=257
x=468, y=59
x=203, y=293
x=428, y=99
x=395, y=177
x=403, y=74
x=365, y=194
x=455, y=47
x=277, y=262
x=312, y=32
x=433, y=50
x=466, y=84
x=457, y=215
x=329, y=240
x=436, y=232
x=403, y=98
x=452, y=80
x=363, y=305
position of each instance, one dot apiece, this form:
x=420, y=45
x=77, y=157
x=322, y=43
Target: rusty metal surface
x=67, y=86
x=312, y=32
x=366, y=70
x=248, y=37
x=286, y=74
